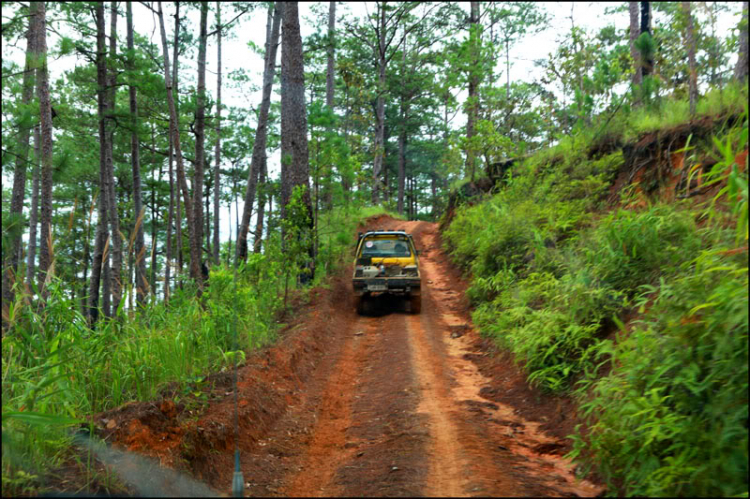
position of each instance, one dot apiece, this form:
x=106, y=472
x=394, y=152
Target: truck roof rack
x=384, y=232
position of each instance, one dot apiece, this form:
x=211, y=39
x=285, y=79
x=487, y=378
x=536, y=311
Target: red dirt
x=390, y=404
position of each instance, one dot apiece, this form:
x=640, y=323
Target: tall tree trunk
x=102, y=234
x=261, y=206
x=690, y=45
x=217, y=150
x=195, y=269
x=330, y=86
x=433, y=182
x=200, y=137
x=741, y=69
x=269, y=219
x=402, y=134
x=170, y=220
x=473, y=104
x=330, y=70
x=138, y=251
x=207, y=218
x=377, y=165
x=10, y=265
x=176, y=95
x=295, y=168
x=507, y=68
x=86, y=258
x=647, y=64
x=154, y=211
x=386, y=181
x=34, y=216
x=42, y=90
x=635, y=32
x=261, y=133
x=114, y=217
x=346, y=181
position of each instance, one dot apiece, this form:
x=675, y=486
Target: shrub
x=631, y=248
x=672, y=418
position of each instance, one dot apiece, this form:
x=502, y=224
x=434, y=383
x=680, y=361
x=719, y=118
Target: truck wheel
x=415, y=304
x=360, y=303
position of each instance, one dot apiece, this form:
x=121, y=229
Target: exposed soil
x=388, y=404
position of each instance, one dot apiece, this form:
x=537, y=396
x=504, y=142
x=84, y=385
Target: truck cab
x=387, y=261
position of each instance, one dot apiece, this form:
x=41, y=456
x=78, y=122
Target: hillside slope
x=618, y=271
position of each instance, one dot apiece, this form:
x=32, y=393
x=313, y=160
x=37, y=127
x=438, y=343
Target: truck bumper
x=401, y=286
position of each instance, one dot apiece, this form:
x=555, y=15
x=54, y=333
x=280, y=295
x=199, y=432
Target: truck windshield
x=386, y=248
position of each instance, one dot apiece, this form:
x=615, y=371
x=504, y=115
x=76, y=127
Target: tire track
x=327, y=448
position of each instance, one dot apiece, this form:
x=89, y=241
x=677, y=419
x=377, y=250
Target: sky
x=251, y=27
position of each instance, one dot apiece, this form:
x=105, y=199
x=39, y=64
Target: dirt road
x=389, y=404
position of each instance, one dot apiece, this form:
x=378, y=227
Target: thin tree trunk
x=386, y=181
x=170, y=219
x=102, y=235
x=42, y=90
x=415, y=198
x=217, y=150
x=741, y=68
x=261, y=133
x=195, y=269
x=433, y=181
x=330, y=70
x=377, y=165
x=402, y=135
x=86, y=258
x=153, y=220
x=330, y=86
x=635, y=32
x=261, y=206
x=34, y=216
x=200, y=140
x=138, y=251
x=647, y=65
x=114, y=217
x=207, y=199
x=345, y=181
x=10, y=265
x=690, y=45
x=269, y=219
x=473, y=104
x=295, y=168
x=176, y=94
x=507, y=68
x=107, y=282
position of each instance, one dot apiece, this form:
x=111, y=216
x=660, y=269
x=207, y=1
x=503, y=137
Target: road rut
x=386, y=404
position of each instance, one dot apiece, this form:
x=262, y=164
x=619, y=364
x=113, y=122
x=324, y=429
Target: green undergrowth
x=554, y=274
x=57, y=371
x=626, y=125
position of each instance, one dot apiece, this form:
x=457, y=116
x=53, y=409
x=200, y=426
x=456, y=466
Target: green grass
x=672, y=417
x=553, y=274
x=57, y=371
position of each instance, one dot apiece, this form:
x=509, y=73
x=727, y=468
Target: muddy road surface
x=386, y=404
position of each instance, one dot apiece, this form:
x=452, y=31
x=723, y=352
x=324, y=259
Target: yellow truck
x=386, y=261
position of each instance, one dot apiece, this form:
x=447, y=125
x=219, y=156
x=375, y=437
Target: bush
x=672, y=418
x=59, y=371
x=630, y=248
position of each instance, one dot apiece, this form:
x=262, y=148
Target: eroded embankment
x=277, y=388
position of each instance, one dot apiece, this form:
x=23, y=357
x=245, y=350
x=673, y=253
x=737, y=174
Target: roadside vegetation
x=636, y=305
x=160, y=225
x=57, y=371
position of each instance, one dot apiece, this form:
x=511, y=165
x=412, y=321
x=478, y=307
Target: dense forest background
x=128, y=182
